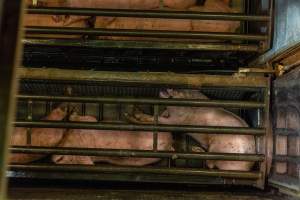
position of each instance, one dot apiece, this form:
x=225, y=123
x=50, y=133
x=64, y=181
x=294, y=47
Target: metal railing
x=168, y=172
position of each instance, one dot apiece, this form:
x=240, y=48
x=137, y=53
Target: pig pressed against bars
x=204, y=116
x=44, y=137
x=106, y=139
x=214, y=25
x=171, y=24
x=114, y=4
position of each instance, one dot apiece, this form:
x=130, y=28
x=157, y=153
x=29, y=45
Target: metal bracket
x=277, y=71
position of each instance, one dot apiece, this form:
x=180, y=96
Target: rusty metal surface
x=147, y=78
x=286, y=112
x=286, y=29
x=10, y=12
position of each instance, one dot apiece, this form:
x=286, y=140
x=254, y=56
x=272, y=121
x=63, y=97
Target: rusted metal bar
x=286, y=132
x=143, y=33
x=131, y=127
x=148, y=14
x=10, y=20
x=145, y=78
x=143, y=45
x=136, y=153
x=151, y=101
x=290, y=159
x=162, y=171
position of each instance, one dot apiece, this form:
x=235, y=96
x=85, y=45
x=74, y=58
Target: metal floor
x=26, y=191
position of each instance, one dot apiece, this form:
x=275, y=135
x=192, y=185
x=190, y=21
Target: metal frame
x=169, y=174
x=160, y=34
x=10, y=15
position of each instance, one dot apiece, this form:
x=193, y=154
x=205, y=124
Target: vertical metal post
x=263, y=139
x=155, y=138
x=11, y=13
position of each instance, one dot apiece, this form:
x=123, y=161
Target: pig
x=205, y=116
x=115, y=4
x=45, y=137
x=142, y=24
x=179, y=4
x=171, y=24
x=214, y=25
x=54, y=20
x=106, y=139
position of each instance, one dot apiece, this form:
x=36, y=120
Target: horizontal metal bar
x=148, y=14
x=131, y=127
x=168, y=102
x=286, y=132
x=134, y=170
x=143, y=33
x=291, y=159
x=146, y=78
x=143, y=45
x=136, y=153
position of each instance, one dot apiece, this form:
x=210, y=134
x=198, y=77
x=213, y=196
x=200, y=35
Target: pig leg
x=138, y=117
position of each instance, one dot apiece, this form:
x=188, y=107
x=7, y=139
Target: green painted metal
x=141, y=170
x=131, y=127
x=144, y=101
x=168, y=79
x=119, y=44
x=148, y=14
x=137, y=153
x=143, y=33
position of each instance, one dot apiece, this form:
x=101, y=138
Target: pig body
x=141, y=24
x=106, y=139
x=214, y=25
x=115, y=4
x=204, y=116
x=179, y=4
x=44, y=137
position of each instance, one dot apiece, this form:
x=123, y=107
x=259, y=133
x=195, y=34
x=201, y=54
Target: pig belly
x=104, y=139
x=115, y=4
x=143, y=24
x=179, y=4
x=112, y=140
x=44, y=137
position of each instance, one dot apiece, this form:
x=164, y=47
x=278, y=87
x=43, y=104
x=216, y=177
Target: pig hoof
x=197, y=149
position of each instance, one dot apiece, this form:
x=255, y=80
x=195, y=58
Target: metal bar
x=10, y=50
x=146, y=78
x=264, y=140
x=151, y=101
x=270, y=24
x=136, y=153
x=29, y=117
x=286, y=132
x=143, y=45
x=165, y=171
x=131, y=127
x=143, y=33
x=148, y=14
x=155, y=123
x=290, y=159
